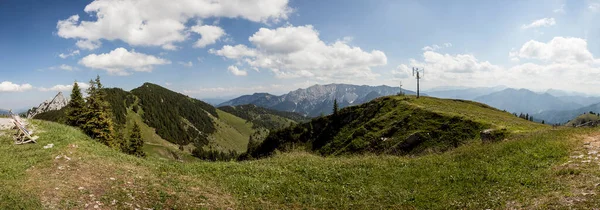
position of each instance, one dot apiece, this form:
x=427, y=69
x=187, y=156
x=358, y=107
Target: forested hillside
x=263, y=117
x=119, y=101
x=166, y=111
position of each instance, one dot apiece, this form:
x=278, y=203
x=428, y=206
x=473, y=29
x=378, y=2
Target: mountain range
x=525, y=101
x=466, y=93
x=317, y=99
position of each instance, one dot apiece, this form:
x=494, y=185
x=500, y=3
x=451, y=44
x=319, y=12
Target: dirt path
x=582, y=174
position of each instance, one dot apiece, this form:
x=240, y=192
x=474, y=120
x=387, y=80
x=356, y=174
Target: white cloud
x=88, y=44
x=67, y=67
x=560, y=10
x=436, y=47
x=544, y=22
x=7, y=86
x=566, y=64
x=159, y=22
x=235, y=52
x=291, y=52
x=186, y=64
x=559, y=49
x=82, y=86
x=237, y=72
x=120, y=60
x=72, y=53
x=210, y=35
x=402, y=71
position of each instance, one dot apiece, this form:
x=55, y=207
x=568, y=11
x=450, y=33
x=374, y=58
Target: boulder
x=493, y=135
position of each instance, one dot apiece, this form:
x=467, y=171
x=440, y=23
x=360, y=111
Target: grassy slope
x=154, y=145
x=384, y=125
x=512, y=174
x=232, y=133
x=583, y=118
x=477, y=112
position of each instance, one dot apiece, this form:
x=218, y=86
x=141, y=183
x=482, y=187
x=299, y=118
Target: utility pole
x=418, y=72
x=401, y=93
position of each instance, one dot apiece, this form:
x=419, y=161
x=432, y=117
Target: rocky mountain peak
x=57, y=103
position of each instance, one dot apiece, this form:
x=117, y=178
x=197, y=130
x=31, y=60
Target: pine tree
x=75, y=107
x=136, y=144
x=335, y=107
x=98, y=122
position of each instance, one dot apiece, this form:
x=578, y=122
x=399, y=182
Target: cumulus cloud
x=566, y=63
x=210, y=35
x=237, y=72
x=544, y=22
x=118, y=61
x=402, y=71
x=72, y=53
x=235, y=52
x=559, y=49
x=55, y=88
x=292, y=52
x=159, y=22
x=8, y=86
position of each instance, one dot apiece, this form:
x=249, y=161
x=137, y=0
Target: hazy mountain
x=317, y=99
x=466, y=93
x=214, y=101
x=525, y=101
x=563, y=116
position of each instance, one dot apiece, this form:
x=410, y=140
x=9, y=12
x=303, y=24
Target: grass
x=581, y=119
x=523, y=172
x=474, y=111
x=232, y=133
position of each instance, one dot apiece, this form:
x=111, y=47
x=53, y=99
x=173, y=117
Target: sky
x=227, y=48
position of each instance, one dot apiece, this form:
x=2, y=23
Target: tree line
x=93, y=116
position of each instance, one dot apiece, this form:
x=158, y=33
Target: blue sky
x=212, y=49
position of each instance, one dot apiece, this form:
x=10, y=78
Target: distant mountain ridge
x=317, y=99
x=563, y=116
x=525, y=101
x=466, y=93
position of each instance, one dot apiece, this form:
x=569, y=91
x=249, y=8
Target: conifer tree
x=98, y=122
x=75, y=107
x=335, y=107
x=136, y=144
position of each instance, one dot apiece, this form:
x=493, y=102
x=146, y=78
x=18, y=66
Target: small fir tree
x=75, y=107
x=136, y=143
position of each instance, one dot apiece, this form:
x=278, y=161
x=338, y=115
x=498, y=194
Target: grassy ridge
x=395, y=125
x=517, y=173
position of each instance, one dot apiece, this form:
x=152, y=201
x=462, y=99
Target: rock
x=493, y=135
x=48, y=146
x=57, y=103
